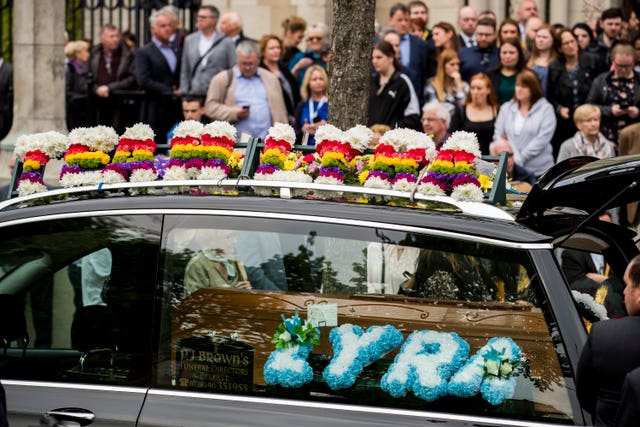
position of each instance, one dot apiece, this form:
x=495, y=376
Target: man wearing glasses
x=617, y=93
x=482, y=56
x=205, y=53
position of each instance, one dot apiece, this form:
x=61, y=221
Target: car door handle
x=76, y=415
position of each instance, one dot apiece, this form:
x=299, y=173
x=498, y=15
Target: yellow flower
x=485, y=183
x=362, y=176
x=289, y=164
x=32, y=164
x=334, y=155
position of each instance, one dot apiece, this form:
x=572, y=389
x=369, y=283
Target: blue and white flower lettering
x=289, y=367
x=354, y=349
x=425, y=363
x=489, y=372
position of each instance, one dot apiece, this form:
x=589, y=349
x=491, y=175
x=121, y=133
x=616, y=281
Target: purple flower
x=70, y=169
x=404, y=175
x=194, y=163
x=267, y=169
x=31, y=176
x=379, y=174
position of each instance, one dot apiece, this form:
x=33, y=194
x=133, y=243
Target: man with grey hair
x=247, y=96
x=157, y=69
x=231, y=26
x=435, y=122
x=205, y=53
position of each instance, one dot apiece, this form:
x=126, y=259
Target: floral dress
x=621, y=91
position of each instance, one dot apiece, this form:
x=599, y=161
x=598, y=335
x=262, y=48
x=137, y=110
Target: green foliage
x=6, y=12
x=73, y=22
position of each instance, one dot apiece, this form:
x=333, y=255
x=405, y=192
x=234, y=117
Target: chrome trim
x=296, y=217
x=74, y=386
x=471, y=208
x=347, y=408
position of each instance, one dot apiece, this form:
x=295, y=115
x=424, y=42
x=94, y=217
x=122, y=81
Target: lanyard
x=312, y=112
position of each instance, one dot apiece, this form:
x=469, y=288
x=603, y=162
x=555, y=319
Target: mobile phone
x=624, y=105
x=246, y=107
x=316, y=119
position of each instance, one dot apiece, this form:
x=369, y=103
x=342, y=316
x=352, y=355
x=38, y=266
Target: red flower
x=385, y=150
x=221, y=141
x=177, y=140
x=77, y=148
x=280, y=144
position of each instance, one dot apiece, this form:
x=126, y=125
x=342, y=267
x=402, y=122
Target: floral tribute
x=184, y=162
x=354, y=349
x=453, y=171
x=287, y=365
x=424, y=365
x=277, y=161
x=86, y=155
x=398, y=159
x=216, y=151
x=489, y=371
x=133, y=160
x=336, y=153
x=35, y=151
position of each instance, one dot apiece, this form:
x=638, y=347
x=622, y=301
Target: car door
x=215, y=339
x=76, y=297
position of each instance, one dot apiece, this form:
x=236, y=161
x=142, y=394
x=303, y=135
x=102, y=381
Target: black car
x=158, y=309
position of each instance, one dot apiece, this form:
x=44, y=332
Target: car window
x=382, y=299
x=77, y=294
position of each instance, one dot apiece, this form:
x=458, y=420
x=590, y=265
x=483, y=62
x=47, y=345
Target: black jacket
x=77, y=98
x=612, y=350
x=6, y=95
x=389, y=105
x=153, y=74
x=289, y=101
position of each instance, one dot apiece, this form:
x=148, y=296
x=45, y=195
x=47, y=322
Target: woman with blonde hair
x=588, y=141
x=479, y=113
x=543, y=53
x=447, y=85
x=313, y=110
x=77, y=84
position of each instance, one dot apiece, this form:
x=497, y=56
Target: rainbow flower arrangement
x=335, y=153
x=35, y=151
x=398, y=159
x=453, y=171
x=216, y=151
x=86, y=155
x=133, y=159
x=277, y=161
x=287, y=366
x=186, y=137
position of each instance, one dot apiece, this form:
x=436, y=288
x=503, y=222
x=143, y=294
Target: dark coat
x=560, y=93
x=418, y=65
x=112, y=111
x=159, y=108
x=77, y=98
x=292, y=102
x=612, y=350
x=629, y=410
x=389, y=106
x=471, y=61
x=6, y=95
x=576, y=264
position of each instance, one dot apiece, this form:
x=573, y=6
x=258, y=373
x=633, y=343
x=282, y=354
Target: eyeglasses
x=314, y=39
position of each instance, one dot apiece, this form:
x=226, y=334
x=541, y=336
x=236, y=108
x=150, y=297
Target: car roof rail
x=280, y=188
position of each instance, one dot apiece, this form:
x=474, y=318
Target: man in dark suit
x=629, y=409
x=612, y=350
x=413, y=50
x=157, y=69
x=6, y=95
x=482, y=56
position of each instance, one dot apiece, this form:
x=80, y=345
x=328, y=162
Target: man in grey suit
x=205, y=53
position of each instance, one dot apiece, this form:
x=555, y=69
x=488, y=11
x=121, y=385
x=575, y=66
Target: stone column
x=39, y=68
x=38, y=72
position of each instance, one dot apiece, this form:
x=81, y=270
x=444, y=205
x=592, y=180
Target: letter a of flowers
x=287, y=366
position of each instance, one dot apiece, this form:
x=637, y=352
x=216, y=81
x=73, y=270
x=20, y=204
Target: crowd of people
x=518, y=84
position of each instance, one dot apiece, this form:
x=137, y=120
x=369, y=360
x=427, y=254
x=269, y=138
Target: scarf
x=601, y=148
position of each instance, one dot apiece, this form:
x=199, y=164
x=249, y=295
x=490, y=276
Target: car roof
x=442, y=213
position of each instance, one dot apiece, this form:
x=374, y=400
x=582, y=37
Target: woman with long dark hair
x=570, y=77
x=390, y=94
x=503, y=75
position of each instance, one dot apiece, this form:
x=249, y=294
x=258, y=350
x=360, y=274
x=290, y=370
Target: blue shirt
x=168, y=53
x=405, y=50
x=250, y=91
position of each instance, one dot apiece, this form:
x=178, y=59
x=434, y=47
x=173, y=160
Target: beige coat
x=217, y=108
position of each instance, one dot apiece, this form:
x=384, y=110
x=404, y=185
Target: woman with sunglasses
x=317, y=51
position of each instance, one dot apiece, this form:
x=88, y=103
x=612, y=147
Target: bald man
x=231, y=26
